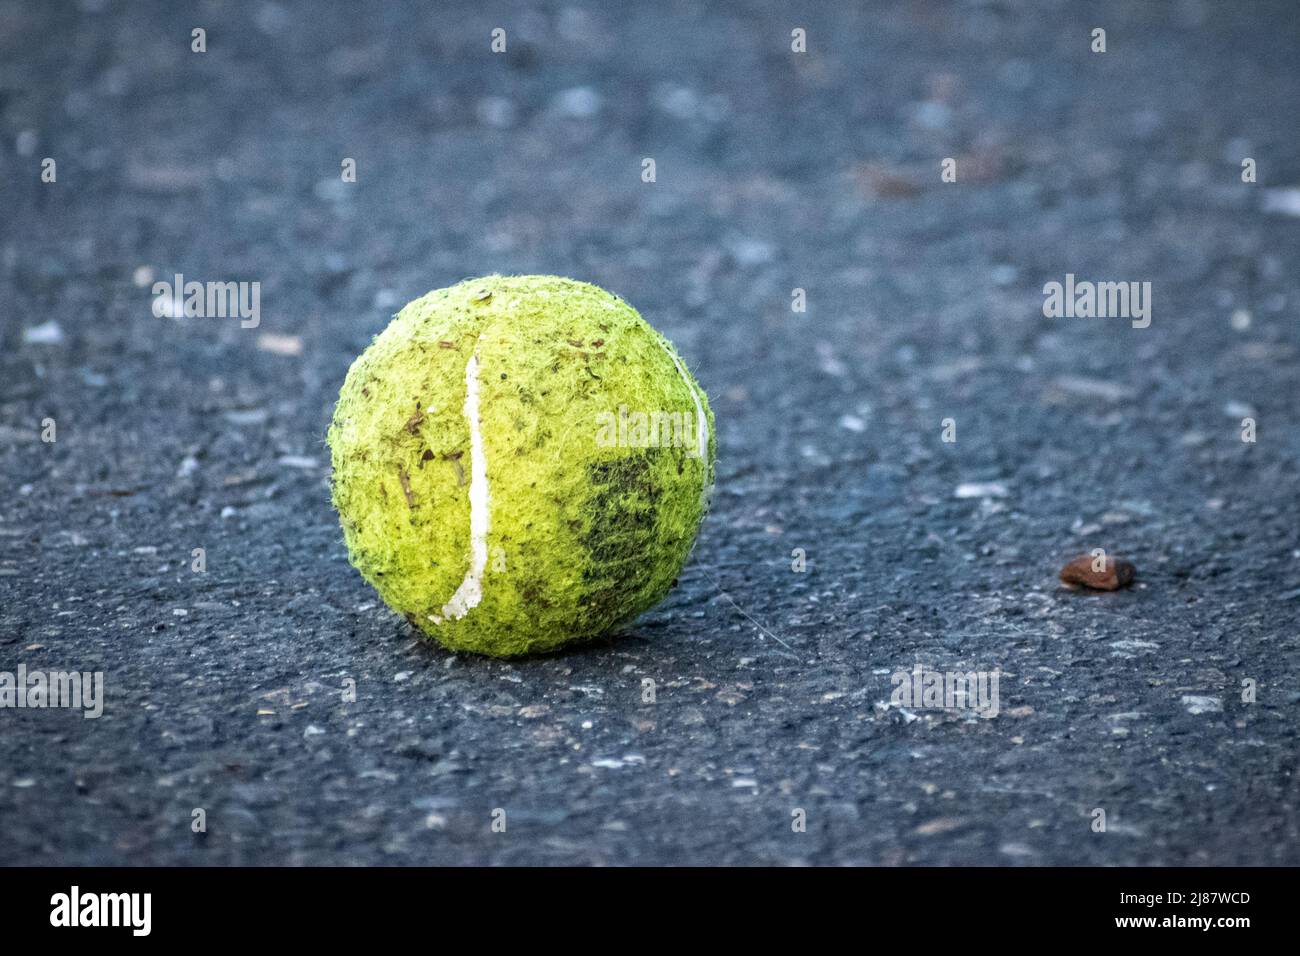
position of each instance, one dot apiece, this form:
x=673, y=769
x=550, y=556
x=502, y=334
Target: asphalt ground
x=1169, y=706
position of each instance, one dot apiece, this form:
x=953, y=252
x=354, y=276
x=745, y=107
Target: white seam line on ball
x=470, y=592
x=701, y=423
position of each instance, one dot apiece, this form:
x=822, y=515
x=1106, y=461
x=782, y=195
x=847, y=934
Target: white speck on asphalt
x=579, y=102
x=981, y=489
x=496, y=112
x=1285, y=202
x=1129, y=647
x=47, y=333
x=1084, y=387
x=298, y=461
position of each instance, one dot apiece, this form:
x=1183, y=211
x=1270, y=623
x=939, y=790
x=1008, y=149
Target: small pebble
x=1117, y=573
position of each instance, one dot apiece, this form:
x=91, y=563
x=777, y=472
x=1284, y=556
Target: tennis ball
x=520, y=463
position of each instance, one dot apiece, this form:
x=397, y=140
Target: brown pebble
x=1118, y=573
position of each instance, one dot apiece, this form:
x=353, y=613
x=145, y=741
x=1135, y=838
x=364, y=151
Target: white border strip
x=470, y=592
x=701, y=423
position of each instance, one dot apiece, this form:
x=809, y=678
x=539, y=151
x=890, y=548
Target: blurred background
x=775, y=171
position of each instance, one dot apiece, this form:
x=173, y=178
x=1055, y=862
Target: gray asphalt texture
x=775, y=171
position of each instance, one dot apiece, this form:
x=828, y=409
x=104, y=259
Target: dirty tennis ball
x=520, y=463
